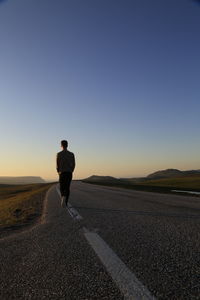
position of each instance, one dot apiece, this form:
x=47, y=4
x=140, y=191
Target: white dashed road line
x=74, y=212
x=188, y=192
x=129, y=285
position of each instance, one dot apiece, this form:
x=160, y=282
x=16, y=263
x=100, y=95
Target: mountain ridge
x=167, y=173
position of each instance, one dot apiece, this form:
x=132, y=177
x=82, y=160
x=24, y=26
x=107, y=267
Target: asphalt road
x=156, y=236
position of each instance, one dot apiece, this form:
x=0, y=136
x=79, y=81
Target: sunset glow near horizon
x=118, y=79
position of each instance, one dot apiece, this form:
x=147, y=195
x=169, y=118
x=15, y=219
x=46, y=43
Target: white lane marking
x=188, y=192
x=72, y=211
x=129, y=285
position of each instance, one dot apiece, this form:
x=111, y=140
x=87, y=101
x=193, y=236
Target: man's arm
x=73, y=163
x=57, y=164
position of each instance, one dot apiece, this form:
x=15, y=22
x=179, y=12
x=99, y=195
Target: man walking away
x=65, y=166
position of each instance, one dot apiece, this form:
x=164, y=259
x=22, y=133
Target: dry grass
x=186, y=182
x=21, y=204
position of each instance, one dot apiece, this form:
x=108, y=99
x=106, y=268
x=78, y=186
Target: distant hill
x=96, y=178
x=169, y=173
x=21, y=180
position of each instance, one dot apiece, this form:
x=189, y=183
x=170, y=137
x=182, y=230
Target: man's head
x=64, y=144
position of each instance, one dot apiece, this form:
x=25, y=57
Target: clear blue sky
x=119, y=79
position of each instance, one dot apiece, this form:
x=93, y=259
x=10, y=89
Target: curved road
x=114, y=244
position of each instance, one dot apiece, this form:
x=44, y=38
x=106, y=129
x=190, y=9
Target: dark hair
x=64, y=143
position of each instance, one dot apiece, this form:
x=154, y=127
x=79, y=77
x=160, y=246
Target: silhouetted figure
x=65, y=166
